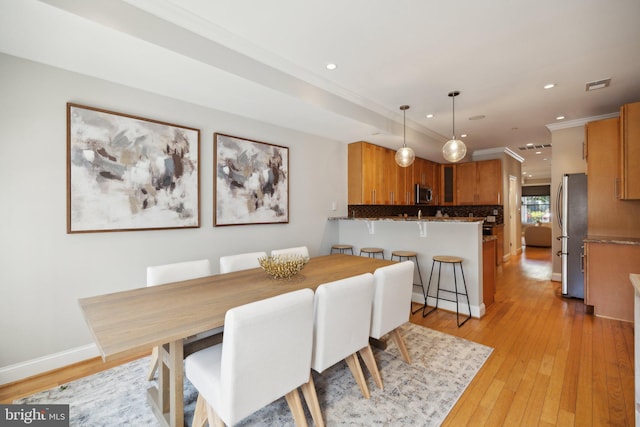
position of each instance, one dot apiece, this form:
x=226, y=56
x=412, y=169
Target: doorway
x=515, y=240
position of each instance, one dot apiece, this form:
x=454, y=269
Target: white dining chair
x=265, y=354
x=240, y=262
x=393, y=286
x=167, y=273
x=342, y=311
x=300, y=250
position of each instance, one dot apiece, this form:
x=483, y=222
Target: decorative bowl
x=282, y=266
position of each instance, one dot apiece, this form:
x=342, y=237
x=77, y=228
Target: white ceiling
x=266, y=60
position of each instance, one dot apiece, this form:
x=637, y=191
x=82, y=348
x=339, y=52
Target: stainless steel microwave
x=423, y=194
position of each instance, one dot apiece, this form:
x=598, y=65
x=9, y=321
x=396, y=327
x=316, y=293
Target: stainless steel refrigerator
x=572, y=217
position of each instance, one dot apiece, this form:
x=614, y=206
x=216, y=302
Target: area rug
x=420, y=394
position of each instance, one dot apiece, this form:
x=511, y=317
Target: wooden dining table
x=128, y=322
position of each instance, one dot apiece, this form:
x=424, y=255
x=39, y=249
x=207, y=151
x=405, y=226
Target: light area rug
x=420, y=394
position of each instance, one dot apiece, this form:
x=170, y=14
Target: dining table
x=128, y=322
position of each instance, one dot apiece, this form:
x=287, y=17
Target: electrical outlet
x=495, y=211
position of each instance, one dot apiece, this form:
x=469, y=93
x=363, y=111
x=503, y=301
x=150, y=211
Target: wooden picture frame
x=251, y=181
x=127, y=173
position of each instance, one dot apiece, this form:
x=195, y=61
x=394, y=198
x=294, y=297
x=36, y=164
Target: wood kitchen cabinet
x=479, y=183
x=427, y=174
x=607, y=215
x=607, y=287
x=629, y=185
x=488, y=272
x=372, y=174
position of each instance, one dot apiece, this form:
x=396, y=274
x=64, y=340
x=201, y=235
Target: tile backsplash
x=376, y=211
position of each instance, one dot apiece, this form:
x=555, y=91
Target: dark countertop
x=612, y=240
x=414, y=218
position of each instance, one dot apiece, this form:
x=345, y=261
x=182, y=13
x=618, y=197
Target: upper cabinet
x=427, y=174
x=629, y=185
x=479, y=183
x=374, y=178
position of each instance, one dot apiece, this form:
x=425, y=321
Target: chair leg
x=214, y=419
x=356, y=371
x=154, y=364
x=372, y=366
x=200, y=413
x=295, y=404
x=397, y=338
x=311, y=397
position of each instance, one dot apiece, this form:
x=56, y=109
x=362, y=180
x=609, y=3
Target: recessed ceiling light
x=524, y=173
x=549, y=85
x=478, y=117
x=331, y=66
x=530, y=176
x=530, y=144
x=464, y=135
x=430, y=116
x=538, y=152
x=560, y=118
x=545, y=159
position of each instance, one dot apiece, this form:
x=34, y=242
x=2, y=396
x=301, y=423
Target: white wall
x=43, y=270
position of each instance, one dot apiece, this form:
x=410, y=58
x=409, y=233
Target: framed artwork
x=251, y=181
x=128, y=173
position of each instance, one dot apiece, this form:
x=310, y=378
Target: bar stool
x=371, y=252
x=414, y=256
x=453, y=260
x=341, y=249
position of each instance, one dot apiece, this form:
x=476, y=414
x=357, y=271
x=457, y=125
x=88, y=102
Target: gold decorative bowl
x=282, y=266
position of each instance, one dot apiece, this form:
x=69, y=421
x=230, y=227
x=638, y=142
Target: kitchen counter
x=428, y=237
x=415, y=218
x=616, y=240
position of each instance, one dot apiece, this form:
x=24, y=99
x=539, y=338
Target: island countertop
x=413, y=218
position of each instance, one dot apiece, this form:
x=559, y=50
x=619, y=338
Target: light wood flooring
x=552, y=364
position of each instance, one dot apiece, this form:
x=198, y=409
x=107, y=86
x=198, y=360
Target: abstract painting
x=128, y=173
x=251, y=181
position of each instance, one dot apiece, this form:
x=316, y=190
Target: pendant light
x=405, y=155
x=454, y=150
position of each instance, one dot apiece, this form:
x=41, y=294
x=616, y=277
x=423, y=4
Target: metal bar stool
x=371, y=252
x=341, y=249
x=453, y=260
x=408, y=255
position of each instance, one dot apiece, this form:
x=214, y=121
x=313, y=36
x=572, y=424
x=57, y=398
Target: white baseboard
x=556, y=277
x=22, y=370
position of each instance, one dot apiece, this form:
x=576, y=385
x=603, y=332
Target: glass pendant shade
x=454, y=150
x=405, y=157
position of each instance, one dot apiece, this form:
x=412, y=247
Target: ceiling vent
x=534, y=147
x=598, y=84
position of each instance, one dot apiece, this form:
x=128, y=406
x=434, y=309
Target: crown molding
x=499, y=150
x=579, y=122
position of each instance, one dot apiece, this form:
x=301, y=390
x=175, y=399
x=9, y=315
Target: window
x=535, y=208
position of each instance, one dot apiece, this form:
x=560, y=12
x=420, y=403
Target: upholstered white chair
x=265, y=354
x=393, y=286
x=240, y=262
x=300, y=250
x=342, y=312
x=167, y=273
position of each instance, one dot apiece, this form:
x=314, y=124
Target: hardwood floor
x=552, y=364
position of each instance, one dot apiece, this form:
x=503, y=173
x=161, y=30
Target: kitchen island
x=427, y=236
